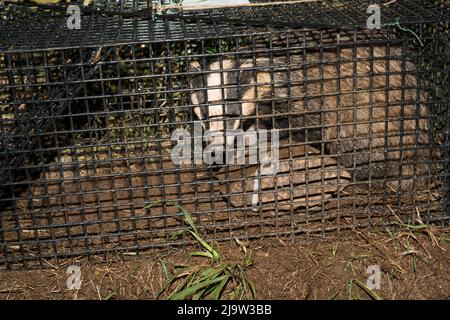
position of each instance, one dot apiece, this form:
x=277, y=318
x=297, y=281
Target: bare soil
x=413, y=264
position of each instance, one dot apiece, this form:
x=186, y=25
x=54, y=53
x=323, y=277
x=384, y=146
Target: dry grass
x=414, y=264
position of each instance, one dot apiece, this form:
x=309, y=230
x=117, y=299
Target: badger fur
x=363, y=103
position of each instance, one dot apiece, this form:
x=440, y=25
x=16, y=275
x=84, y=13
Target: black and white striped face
x=224, y=94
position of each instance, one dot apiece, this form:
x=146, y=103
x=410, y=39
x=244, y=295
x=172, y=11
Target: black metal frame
x=86, y=117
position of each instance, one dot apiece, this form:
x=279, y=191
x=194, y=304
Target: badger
x=361, y=102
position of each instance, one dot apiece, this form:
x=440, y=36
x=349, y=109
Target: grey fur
x=374, y=122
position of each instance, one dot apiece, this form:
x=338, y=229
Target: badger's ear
x=196, y=79
x=261, y=78
x=260, y=69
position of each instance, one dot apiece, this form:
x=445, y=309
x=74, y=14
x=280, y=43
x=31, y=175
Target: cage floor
x=129, y=204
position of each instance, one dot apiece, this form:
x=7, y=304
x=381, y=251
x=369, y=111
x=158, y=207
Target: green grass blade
x=165, y=269
x=218, y=290
x=252, y=289
x=195, y=233
x=369, y=291
x=181, y=286
x=211, y=273
x=187, y=217
x=190, y=291
x=110, y=296
x=202, y=242
x=202, y=254
x=215, y=255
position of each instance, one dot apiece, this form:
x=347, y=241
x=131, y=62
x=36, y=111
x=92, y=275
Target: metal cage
x=98, y=124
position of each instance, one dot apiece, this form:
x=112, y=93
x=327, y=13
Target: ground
x=414, y=264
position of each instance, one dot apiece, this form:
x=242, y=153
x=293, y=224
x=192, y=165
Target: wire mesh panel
x=257, y=120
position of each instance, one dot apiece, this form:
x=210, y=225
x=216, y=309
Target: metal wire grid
x=26, y=30
x=92, y=128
